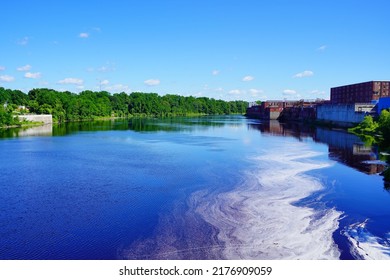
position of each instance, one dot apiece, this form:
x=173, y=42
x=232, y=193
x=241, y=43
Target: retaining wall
x=343, y=114
x=46, y=119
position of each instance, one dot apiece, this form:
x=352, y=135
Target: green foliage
x=367, y=126
x=372, y=131
x=89, y=105
x=7, y=118
x=384, y=125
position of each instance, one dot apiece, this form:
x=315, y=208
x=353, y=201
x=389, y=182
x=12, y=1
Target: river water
x=222, y=187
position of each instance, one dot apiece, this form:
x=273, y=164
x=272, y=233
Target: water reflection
x=275, y=128
x=44, y=130
x=75, y=127
x=343, y=147
x=348, y=149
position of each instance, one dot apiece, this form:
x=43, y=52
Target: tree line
x=88, y=105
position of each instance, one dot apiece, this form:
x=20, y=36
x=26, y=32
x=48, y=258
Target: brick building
x=284, y=110
x=360, y=93
x=269, y=110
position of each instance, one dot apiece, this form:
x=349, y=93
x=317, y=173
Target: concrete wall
x=46, y=119
x=344, y=114
x=274, y=115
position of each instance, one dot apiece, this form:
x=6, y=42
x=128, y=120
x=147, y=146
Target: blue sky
x=224, y=49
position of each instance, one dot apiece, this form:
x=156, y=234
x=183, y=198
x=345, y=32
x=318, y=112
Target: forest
x=89, y=105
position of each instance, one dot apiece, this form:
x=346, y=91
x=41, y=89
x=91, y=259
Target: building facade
x=284, y=110
x=365, y=92
x=344, y=114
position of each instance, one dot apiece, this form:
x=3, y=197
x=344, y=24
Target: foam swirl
x=257, y=219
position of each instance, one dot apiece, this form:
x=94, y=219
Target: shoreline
x=23, y=125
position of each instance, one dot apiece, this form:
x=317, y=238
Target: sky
x=223, y=49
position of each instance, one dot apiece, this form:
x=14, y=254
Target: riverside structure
x=347, y=106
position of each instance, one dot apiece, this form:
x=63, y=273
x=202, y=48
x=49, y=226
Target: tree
x=6, y=117
x=384, y=125
x=367, y=126
x=67, y=106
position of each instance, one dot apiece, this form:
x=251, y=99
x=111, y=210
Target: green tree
x=367, y=126
x=7, y=118
x=384, y=125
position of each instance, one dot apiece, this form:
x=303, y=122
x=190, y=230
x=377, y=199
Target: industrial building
x=366, y=92
x=348, y=105
x=283, y=109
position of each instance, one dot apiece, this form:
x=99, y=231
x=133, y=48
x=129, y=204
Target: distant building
x=349, y=104
x=365, y=92
x=284, y=110
x=269, y=110
x=251, y=104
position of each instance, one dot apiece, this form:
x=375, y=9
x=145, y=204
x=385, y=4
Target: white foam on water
x=258, y=219
x=365, y=245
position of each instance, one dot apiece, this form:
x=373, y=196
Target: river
x=219, y=187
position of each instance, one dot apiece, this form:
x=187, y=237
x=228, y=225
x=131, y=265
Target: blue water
x=222, y=187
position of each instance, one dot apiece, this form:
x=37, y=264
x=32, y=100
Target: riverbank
x=23, y=125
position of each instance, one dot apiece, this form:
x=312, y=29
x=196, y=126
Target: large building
x=282, y=110
x=360, y=93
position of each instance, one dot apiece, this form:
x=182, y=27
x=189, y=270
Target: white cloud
x=2, y=68
x=306, y=73
x=152, y=82
x=30, y=75
x=24, y=68
x=248, y=78
x=235, y=92
x=71, y=81
x=117, y=88
x=83, y=35
x=6, y=78
x=215, y=72
x=23, y=41
x=104, y=82
x=287, y=92
x=322, y=48
x=255, y=92
x=219, y=89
